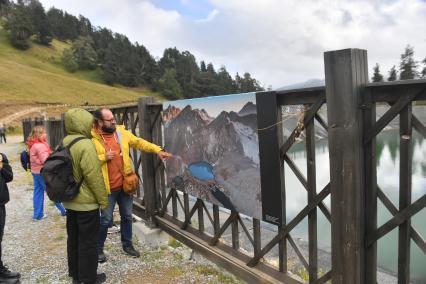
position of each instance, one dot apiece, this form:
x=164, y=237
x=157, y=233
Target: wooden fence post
x=159, y=170
x=148, y=171
x=49, y=130
x=346, y=71
x=370, y=190
x=63, y=124
x=25, y=128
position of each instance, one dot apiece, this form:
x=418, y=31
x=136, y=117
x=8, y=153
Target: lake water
x=201, y=170
x=387, y=179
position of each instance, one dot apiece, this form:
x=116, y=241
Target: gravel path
x=37, y=249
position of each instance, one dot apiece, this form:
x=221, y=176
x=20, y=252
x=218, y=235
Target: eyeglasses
x=109, y=120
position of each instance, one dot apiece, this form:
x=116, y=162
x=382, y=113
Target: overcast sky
x=278, y=42
x=215, y=105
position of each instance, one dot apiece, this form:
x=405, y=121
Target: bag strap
x=75, y=141
x=69, y=148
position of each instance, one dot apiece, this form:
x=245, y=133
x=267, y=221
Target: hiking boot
x=100, y=278
x=130, y=250
x=5, y=273
x=101, y=256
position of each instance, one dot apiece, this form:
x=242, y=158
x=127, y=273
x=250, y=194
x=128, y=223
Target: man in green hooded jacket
x=83, y=211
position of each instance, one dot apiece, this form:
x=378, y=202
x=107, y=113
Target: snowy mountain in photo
x=229, y=143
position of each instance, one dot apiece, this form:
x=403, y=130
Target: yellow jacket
x=126, y=139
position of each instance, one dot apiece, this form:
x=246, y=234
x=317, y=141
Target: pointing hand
x=164, y=155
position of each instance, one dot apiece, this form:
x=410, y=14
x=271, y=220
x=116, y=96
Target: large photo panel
x=216, y=150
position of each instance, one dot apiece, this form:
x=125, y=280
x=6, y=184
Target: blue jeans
x=125, y=205
x=38, y=198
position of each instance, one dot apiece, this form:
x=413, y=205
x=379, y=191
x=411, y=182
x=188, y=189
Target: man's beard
x=108, y=129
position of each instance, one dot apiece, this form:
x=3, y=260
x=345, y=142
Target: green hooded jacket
x=85, y=162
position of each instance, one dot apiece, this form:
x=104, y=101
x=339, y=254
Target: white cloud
x=209, y=17
x=278, y=42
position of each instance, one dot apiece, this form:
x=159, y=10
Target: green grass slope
x=37, y=76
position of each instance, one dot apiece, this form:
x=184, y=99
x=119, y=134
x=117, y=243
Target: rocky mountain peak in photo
x=248, y=108
x=229, y=143
x=195, y=138
x=204, y=115
x=170, y=113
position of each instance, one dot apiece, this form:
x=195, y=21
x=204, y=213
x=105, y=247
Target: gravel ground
x=37, y=249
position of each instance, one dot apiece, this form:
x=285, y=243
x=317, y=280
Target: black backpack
x=25, y=160
x=58, y=175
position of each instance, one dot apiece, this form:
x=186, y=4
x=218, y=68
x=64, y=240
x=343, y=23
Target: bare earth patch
x=12, y=115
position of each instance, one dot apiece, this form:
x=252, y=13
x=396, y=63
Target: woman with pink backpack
x=39, y=151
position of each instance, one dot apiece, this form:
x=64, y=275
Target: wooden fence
x=237, y=244
x=352, y=128
x=54, y=129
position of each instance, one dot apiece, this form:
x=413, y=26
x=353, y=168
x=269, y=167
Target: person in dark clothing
x=2, y=133
x=6, y=175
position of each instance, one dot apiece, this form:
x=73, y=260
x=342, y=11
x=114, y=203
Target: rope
x=300, y=124
x=270, y=126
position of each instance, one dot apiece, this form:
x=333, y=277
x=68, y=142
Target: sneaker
x=43, y=217
x=130, y=250
x=5, y=273
x=101, y=256
x=114, y=229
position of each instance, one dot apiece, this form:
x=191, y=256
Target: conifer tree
x=203, y=67
x=224, y=80
x=207, y=81
x=424, y=68
x=19, y=26
x=4, y=6
x=83, y=53
x=408, y=66
x=40, y=23
x=392, y=74
x=69, y=61
x=237, y=83
x=249, y=84
x=55, y=18
x=377, y=77
x=84, y=27
x=169, y=86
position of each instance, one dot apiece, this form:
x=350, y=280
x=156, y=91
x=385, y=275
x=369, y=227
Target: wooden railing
x=243, y=245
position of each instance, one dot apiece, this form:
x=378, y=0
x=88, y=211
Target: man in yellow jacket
x=113, y=143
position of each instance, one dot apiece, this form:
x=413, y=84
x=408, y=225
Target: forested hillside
x=36, y=75
x=111, y=58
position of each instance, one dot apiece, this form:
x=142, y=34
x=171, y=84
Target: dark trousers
x=2, y=137
x=125, y=205
x=2, y=223
x=83, y=233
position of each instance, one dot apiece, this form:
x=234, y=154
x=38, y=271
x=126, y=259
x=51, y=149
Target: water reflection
x=387, y=153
